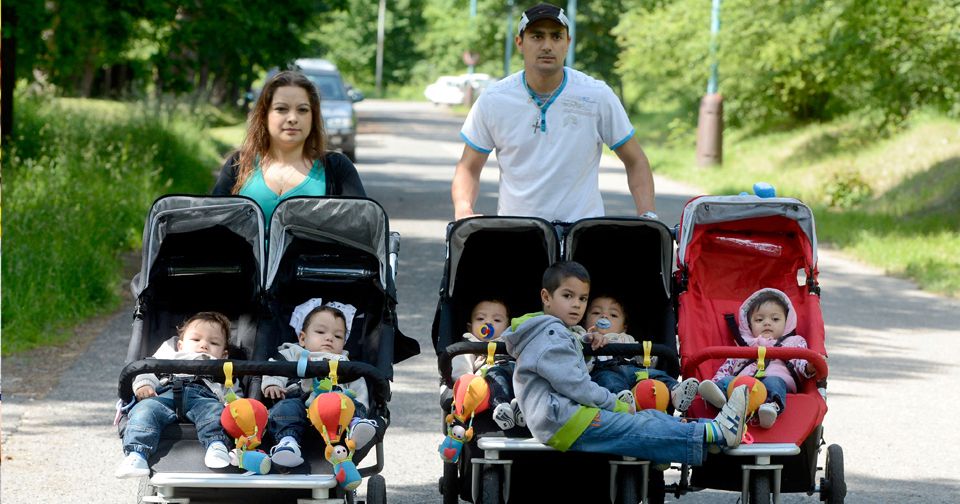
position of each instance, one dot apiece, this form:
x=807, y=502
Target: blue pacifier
x=603, y=323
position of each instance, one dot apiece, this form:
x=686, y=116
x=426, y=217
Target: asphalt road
x=893, y=352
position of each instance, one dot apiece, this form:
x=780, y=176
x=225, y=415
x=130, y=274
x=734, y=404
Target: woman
x=284, y=152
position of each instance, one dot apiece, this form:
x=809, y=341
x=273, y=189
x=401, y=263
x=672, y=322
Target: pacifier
x=487, y=332
x=603, y=323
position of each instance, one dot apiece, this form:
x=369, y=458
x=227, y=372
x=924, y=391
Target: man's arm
x=639, y=176
x=466, y=182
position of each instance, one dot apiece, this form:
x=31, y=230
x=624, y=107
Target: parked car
x=449, y=89
x=336, y=104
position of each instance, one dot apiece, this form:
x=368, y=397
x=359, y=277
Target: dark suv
x=336, y=104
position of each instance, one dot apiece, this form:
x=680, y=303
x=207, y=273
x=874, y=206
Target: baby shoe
x=684, y=393
x=503, y=416
x=768, y=414
x=286, y=453
x=217, y=456
x=517, y=414
x=362, y=431
x=711, y=393
x=132, y=466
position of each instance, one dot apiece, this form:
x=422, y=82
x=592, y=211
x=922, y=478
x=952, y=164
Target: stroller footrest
x=196, y=480
x=499, y=443
x=764, y=450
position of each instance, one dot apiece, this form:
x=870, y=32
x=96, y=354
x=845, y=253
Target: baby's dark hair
x=764, y=297
x=615, y=299
x=212, y=317
x=491, y=300
x=557, y=272
x=337, y=314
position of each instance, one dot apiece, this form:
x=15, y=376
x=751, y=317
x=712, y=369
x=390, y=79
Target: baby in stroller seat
x=488, y=321
x=323, y=330
x=606, y=322
x=766, y=319
x=203, y=336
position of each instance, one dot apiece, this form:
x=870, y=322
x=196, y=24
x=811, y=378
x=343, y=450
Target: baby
x=203, y=336
x=323, y=330
x=766, y=319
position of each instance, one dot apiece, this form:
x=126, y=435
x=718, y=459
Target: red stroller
x=730, y=246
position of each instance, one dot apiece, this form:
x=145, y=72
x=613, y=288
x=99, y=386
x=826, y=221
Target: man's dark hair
x=560, y=271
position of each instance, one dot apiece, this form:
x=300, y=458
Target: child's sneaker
x=132, y=466
x=362, y=431
x=732, y=418
x=711, y=393
x=768, y=414
x=503, y=416
x=286, y=453
x=217, y=456
x=517, y=414
x=684, y=393
x=626, y=396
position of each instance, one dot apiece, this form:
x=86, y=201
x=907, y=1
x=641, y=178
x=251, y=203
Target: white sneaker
x=362, y=431
x=684, y=393
x=626, y=396
x=217, y=456
x=503, y=416
x=132, y=466
x=517, y=414
x=286, y=453
x=768, y=413
x=711, y=393
x=733, y=417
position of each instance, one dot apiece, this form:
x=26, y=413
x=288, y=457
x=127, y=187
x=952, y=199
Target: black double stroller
x=504, y=258
x=204, y=253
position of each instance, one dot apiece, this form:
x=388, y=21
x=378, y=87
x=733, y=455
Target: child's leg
x=647, y=435
x=145, y=422
x=500, y=380
x=614, y=377
x=681, y=394
x=287, y=417
x=776, y=401
x=203, y=408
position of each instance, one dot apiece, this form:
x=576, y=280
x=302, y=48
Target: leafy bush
x=847, y=190
x=79, y=178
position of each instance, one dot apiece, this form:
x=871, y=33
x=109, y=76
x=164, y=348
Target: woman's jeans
x=150, y=416
x=776, y=389
x=615, y=377
x=647, y=435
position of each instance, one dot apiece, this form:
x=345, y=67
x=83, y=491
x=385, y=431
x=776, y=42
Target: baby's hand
x=146, y=391
x=597, y=340
x=274, y=392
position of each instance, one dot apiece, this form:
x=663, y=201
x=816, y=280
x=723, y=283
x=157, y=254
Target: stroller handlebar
x=781, y=353
x=666, y=356
x=377, y=384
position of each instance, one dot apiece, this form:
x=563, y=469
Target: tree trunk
x=8, y=60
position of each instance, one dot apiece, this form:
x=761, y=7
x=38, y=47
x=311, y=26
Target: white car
x=449, y=89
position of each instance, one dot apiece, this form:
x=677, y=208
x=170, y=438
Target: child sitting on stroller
x=323, y=330
x=766, y=319
x=203, y=336
x=488, y=321
x=607, y=322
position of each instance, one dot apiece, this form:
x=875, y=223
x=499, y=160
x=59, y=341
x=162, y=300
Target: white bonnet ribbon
x=301, y=311
x=348, y=311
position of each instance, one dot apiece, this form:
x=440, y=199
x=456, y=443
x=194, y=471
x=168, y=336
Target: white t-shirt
x=549, y=157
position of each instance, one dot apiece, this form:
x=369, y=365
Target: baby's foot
x=684, y=393
x=217, y=456
x=503, y=416
x=768, y=414
x=362, y=431
x=286, y=453
x=132, y=466
x=711, y=393
x=517, y=414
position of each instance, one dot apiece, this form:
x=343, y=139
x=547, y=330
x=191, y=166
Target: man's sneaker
x=217, y=456
x=733, y=417
x=503, y=416
x=286, y=453
x=684, y=393
x=711, y=393
x=768, y=414
x=517, y=414
x=132, y=466
x=362, y=431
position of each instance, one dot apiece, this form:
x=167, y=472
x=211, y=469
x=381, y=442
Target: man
x=548, y=124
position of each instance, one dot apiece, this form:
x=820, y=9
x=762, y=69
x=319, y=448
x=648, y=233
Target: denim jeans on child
x=776, y=389
x=150, y=416
x=614, y=376
x=626, y=434
x=500, y=381
x=288, y=417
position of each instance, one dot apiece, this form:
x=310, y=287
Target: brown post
x=710, y=131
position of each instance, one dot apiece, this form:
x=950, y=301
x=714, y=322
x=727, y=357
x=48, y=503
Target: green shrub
x=847, y=190
x=79, y=177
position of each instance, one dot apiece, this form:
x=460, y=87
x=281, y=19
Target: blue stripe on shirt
x=621, y=142
x=474, y=146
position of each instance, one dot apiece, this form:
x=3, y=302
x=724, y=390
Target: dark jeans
x=615, y=376
x=500, y=381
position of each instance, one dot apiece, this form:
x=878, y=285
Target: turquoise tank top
x=256, y=188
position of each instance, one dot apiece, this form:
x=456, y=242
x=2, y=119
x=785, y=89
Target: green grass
x=890, y=200
x=79, y=177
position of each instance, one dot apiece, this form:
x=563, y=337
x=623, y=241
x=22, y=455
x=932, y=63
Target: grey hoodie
x=551, y=381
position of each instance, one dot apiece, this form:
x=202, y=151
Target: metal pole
x=381, y=20
x=508, y=40
x=473, y=15
x=572, y=16
x=710, y=121
x=713, y=82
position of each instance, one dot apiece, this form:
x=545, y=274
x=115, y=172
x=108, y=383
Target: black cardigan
x=342, y=177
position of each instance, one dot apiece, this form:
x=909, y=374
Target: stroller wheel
x=376, y=490
x=833, y=488
x=627, y=484
x=450, y=484
x=490, y=491
x=760, y=488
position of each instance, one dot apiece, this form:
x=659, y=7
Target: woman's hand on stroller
x=145, y=392
x=274, y=392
